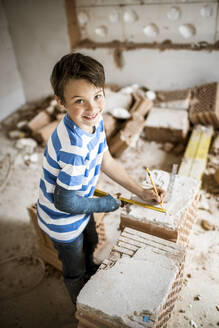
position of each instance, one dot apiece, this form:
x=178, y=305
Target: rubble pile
x=132, y=112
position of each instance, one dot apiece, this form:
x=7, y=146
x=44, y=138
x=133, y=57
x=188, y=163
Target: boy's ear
x=59, y=102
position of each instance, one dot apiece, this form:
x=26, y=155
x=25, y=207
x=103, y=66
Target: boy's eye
x=98, y=96
x=79, y=101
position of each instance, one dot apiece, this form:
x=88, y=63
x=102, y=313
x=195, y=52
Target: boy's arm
x=116, y=172
x=68, y=201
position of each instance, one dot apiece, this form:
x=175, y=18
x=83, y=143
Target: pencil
x=153, y=184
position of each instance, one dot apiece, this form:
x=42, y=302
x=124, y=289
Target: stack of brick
x=204, y=106
x=46, y=248
x=167, y=125
x=132, y=128
x=195, y=157
x=177, y=223
x=136, y=286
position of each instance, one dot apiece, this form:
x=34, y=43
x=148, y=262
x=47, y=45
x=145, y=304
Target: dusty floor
x=32, y=294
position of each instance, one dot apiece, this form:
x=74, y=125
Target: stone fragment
x=206, y=225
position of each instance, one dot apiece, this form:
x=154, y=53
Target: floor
x=32, y=293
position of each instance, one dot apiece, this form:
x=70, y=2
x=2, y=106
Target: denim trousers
x=77, y=258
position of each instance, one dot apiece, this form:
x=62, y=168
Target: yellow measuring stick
x=100, y=193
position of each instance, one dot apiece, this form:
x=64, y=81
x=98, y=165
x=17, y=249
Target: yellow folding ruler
x=100, y=193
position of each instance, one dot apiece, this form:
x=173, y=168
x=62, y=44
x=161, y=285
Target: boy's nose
x=91, y=107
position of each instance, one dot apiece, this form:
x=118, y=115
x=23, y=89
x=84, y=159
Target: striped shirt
x=72, y=159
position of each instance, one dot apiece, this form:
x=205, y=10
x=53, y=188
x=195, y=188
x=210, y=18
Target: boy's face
x=84, y=102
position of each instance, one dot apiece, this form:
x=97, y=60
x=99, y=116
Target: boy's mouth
x=90, y=117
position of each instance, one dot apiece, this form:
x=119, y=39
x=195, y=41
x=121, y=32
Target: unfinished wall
x=11, y=91
x=162, y=45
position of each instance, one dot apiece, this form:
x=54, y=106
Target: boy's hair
x=76, y=66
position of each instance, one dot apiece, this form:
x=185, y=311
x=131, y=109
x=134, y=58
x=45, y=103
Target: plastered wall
x=11, y=90
x=39, y=36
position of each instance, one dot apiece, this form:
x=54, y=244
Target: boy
x=73, y=157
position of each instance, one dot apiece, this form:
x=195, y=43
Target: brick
x=110, y=124
x=43, y=134
x=40, y=120
x=181, y=210
x=152, y=292
x=166, y=125
x=130, y=131
x=204, y=105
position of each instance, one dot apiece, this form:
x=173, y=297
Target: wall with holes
x=178, y=21
x=40, y=36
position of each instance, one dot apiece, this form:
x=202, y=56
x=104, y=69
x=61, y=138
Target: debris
x=197, y=298
x=40, y=120
x=110, y=125
x=179, y=149
x=206, y=225
x=150, y=95
x=117, y=100
x=22, y=124
x=27, y=144
x=189, y=275
x=215, y=145
x=167, y=146
x=16, y=134
x=193, y=324
x=43, y=134
x=216, y=176
x=120, y=113
x=5, y=170
x=130, y=131
x=217, y=307
x=203, y=204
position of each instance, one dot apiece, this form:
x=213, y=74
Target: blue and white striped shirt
x=72, y=159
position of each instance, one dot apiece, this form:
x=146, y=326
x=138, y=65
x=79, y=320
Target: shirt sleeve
x=72, y=170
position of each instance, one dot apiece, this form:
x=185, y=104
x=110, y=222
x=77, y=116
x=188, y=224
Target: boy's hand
x=150, y=195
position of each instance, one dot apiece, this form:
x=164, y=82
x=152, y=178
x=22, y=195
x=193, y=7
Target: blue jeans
x=77, y=259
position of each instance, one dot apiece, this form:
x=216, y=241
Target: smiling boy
x=74, y=155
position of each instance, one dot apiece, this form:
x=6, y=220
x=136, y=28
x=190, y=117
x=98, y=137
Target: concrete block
x=134, y=290
x=181, y=210
x=166, y=125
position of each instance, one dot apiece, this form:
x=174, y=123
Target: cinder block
x=137, y=286
x=181, y=210
x=167, y=125
x=204, y=105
